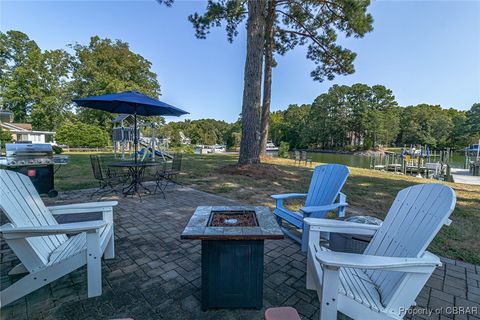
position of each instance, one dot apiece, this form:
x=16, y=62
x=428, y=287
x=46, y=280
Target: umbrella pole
x=135, y=142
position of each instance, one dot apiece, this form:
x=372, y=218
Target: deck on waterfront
x=464, y=176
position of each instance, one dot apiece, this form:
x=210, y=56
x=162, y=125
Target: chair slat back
x=24, y=208
x=303, y=156
x=177, y=162
x=96, y=167
x=327, y=181
x=415, y=217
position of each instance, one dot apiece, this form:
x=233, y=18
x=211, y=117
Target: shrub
x=283, y=149
x=187, y=149
x=81, y=135
x=5, y=136
x=57, y=149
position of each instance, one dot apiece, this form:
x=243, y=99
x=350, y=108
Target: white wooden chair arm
x=328, y=207
x=82, y=207
x=362, y=261
x=338, y=226
x=288, y=196
x=9, y=231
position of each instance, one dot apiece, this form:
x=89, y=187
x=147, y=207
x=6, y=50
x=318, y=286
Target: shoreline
x=364, y=153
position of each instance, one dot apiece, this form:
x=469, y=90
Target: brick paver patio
x=155, y=275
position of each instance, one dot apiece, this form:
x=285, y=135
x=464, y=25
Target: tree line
x=347, y=118
x=361, y=117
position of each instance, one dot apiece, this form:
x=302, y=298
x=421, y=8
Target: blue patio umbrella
x=130, y=102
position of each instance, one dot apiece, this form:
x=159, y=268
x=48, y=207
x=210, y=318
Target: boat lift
x=421, y=161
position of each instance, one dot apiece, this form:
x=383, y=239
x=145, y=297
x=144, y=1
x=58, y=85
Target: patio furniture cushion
x=281, y=313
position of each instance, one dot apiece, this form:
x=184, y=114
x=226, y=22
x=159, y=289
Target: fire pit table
x=232, y=253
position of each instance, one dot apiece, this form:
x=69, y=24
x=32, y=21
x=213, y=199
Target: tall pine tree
x=290, y=23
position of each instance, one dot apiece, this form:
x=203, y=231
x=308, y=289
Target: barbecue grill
x=36, y=161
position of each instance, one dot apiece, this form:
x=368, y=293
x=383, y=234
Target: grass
x=77, y=174
x=369, y=192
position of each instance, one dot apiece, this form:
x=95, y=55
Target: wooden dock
x=464, y=176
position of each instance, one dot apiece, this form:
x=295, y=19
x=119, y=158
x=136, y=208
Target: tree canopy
x=356, y=115
x=313, y=23
x=20, y=61
x=203, y=131
x=363, y=117
x=105, y=66
x=38, y=86
x=473, y=123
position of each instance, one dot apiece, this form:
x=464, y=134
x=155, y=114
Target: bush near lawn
x=77, y=134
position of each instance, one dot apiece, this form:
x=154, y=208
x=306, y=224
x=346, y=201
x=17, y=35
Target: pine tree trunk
x=252, y=87
x=267, y=80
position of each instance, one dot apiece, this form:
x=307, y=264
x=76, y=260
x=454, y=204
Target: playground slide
x=157, y=152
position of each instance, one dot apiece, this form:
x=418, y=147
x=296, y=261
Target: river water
x=456, y=161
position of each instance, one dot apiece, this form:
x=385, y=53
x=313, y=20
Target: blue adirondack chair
x=324, y=190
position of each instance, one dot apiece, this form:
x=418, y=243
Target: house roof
x=121, y=117
x=22, y=128
x=14, y=127
x=26, y=126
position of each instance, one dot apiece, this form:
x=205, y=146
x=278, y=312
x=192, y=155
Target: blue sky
x=425, y=51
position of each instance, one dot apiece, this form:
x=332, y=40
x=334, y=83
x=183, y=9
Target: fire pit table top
x=233, y=220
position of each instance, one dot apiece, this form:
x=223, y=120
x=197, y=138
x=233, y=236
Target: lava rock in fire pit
x=233, y=219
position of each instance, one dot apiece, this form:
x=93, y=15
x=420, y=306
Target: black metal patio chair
x=304, y=157
x=155, y=174
x=171, y=175
x=109, y=180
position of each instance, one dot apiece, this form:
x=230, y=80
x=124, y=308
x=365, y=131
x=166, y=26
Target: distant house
x=184, y=139
x=22, y=132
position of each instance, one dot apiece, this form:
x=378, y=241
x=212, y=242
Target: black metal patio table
x=136, y=171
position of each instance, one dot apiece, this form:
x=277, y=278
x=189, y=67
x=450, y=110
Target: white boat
x=473, y=148
x=271, y=147
x=203, y=149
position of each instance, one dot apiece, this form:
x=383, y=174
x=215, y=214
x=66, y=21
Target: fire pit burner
x=233, y=218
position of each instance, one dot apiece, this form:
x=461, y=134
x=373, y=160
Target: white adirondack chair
x=42, y=245
x=383, y=282
x=325, y=186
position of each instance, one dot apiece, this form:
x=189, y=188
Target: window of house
x=36, y=138
x=22, y=137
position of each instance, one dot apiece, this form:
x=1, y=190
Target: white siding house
x=23, y=131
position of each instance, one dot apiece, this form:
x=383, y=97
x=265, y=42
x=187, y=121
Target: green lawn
x=77, y=174
x=369, y=192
